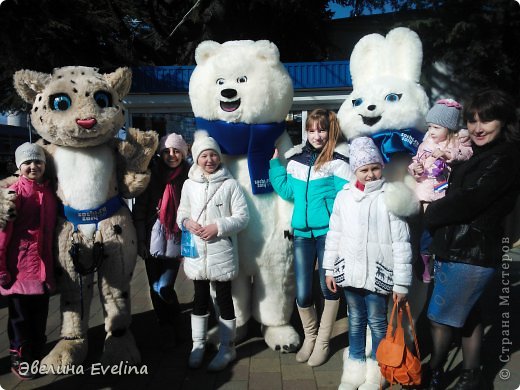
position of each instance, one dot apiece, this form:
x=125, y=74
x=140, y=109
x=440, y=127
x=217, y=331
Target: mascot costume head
x=78, y=111
x=241, y=93
x=387, y=102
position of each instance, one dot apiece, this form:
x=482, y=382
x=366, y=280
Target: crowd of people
x=467, y=182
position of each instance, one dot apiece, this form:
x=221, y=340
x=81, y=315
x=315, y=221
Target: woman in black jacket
x=468, y=234
x=159, y=236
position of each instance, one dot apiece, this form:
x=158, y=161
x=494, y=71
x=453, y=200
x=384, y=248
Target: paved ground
x=257, y=367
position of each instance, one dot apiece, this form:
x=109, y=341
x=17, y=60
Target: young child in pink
x=441, y=147
x=26, y=259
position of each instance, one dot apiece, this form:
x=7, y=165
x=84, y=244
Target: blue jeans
x=305, y=252
x=365, y=308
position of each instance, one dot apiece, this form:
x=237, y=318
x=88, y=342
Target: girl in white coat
x=368, y=253
x=213, y=208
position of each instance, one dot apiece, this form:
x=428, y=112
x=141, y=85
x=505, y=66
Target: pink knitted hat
x=173, y=141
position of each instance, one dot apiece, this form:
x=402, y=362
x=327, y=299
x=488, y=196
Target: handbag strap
x=206, y=205
x=410, y=319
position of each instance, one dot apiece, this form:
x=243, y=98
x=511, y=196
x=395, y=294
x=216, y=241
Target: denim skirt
x=457, y=288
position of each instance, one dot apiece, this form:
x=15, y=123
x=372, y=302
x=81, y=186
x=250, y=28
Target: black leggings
x=202, y=299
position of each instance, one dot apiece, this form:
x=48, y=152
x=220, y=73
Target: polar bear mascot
x=78, y=111
x=240, y=94
x=389, y=105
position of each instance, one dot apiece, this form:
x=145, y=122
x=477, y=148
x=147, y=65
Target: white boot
x=226, y=351
x=354, y=373
x=199, y=334
x=374, y=378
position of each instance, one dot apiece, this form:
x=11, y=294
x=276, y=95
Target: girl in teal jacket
x=314, y=175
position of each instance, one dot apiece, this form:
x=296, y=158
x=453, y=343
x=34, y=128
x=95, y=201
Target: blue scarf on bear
x=392, y=141
x=255, y=140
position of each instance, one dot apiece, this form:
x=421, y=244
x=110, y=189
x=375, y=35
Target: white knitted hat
x=203, y=142
x=363, y=151
x=26, y=152
x=445, y=113
x=173, y=141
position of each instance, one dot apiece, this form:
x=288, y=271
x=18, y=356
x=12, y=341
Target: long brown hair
x=326, y=120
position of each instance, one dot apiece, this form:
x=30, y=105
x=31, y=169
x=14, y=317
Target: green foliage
x=477, y=39
x=44, y=34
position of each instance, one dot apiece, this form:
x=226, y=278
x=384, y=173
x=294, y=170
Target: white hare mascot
x=389, y=105
x=241, y=93
x=78, y=111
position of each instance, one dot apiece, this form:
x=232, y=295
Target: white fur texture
x=354, y=374
x=252, y=69
x=77, y=168
x=380, y=66
x=395, y=193
x=386, y=95
x=253, y=73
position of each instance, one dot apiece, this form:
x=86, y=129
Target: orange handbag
x=398, y=364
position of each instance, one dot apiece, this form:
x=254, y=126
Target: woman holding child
x=467, y=231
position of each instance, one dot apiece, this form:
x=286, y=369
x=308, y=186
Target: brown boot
x=310, y=329
x=320, y=352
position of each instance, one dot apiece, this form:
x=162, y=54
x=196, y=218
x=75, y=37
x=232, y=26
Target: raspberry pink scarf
x=173, y=179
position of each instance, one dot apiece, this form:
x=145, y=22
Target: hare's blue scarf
x=390, y=141
x=254, y=140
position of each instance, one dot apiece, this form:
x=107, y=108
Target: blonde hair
x=328, y=121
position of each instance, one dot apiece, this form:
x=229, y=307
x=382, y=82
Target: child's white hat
x=26, y=152
x=203, y=142
x=363, y=151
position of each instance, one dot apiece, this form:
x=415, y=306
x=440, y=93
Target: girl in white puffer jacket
x=213, y=208
x=368, y=253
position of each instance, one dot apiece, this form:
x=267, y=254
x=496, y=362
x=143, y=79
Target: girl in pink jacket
x=431, y=165
x=26, y=259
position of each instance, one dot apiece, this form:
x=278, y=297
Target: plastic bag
x=188, y=245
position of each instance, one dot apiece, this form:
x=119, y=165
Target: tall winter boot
x=226, y=351
x=354, y=374
x=320, y=353
x=426, y=277
x=310, y=329
x=374, y=379
x=199, y=335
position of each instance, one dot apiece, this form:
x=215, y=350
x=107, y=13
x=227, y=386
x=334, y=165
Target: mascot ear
x=120, y=81
x=367, y=59
x=267, y=51
x=205, y=50
x=404, y=54
x=29, y=83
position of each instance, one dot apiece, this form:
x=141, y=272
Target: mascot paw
x=281, y=338
x=401, y=200
x=66, y=353
x=138, y=148
x=7, y=206
x=119, y=349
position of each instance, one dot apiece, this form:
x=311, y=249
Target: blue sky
x=339, y=11
x=343, y=12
